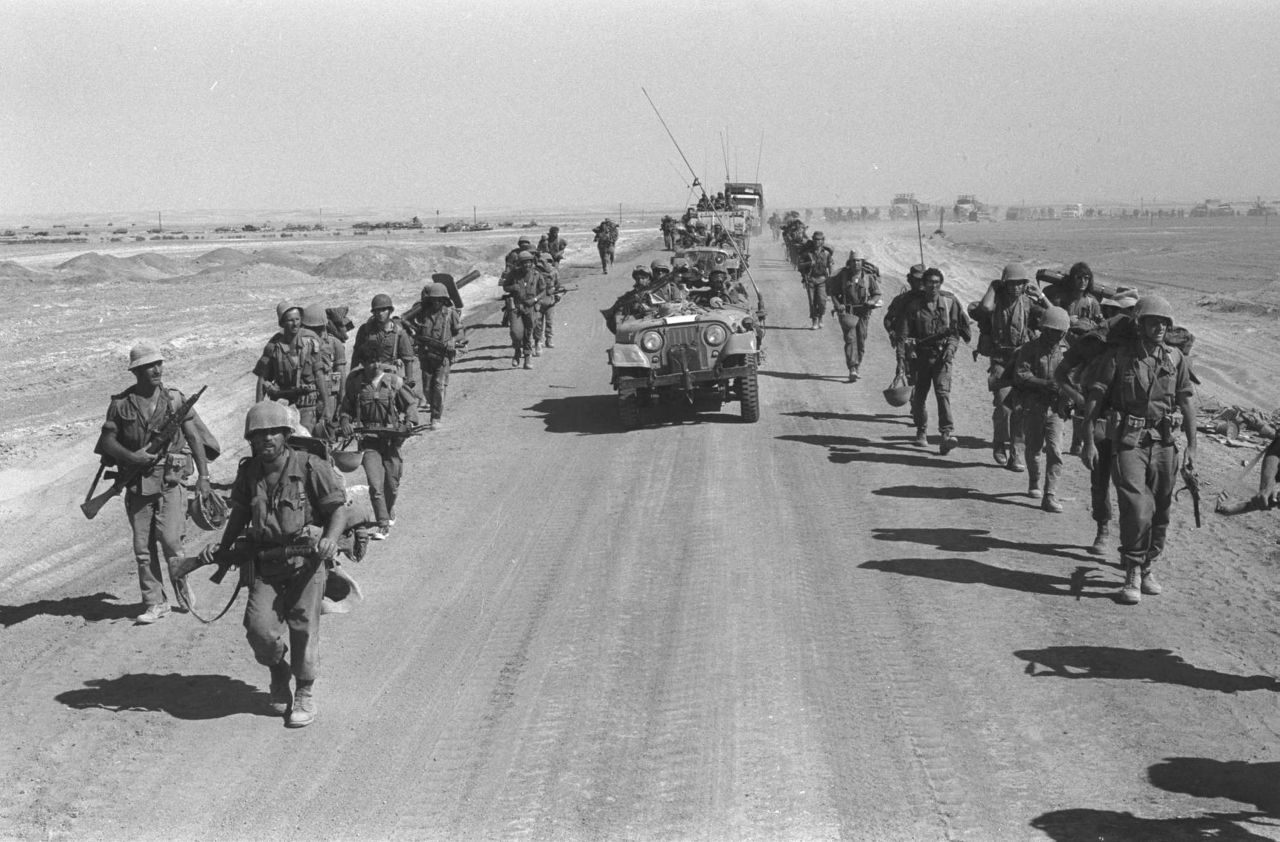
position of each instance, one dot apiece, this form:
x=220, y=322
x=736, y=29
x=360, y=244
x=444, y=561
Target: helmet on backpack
x=1055, y=318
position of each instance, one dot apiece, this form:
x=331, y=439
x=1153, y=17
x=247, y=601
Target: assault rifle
x=158, y=447
x=388, y=432
x=289, y=394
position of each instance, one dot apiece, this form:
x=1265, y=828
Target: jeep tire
x=749, y=395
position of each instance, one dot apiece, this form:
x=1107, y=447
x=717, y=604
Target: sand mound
x=10, y=271
x=288, y=260
x=222, y=257
x=373, y=262
x=158, y=262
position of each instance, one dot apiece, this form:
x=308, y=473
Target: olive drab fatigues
x=284, y=596
x=931, y=331
x=1140, y=390
x=1044, y=410
x=295, y=366
x=437, y=346
x=1011, y=326
x=553, y=247
x=1084, y=370
x=852, y=295
x=815, y=268
x=388, y=344
x=527, y=289
x=333, y=355
x=383, y=401
x=157, y=502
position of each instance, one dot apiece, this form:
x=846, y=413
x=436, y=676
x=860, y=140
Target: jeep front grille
x=684, y=343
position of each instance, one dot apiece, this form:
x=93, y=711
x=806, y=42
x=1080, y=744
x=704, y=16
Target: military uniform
x=606, y=237
x=296, y=367
x=1045, y=411
x=815, y=264
x=1083, y=363
x=380, y=401
x=931, y=330
x=437, y=346
x=554, y=245
x=1011, y=318
x=854, y=293
x=527, y=288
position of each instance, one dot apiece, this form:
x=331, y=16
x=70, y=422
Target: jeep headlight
x=715, y=335
x=651, y=341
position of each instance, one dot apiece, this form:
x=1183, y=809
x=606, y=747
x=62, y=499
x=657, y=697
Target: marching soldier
x=282, y=496
x=553, y=244
x=291, y=368
x=1011, y=308
x=668, y=228
x=1046, y=404
x=606, y=236
x=333, y=362
x=930, y=329
x=527, y=288
x=1075, y=295
x=1145, y=391
x=438, y=326
x=815, y=265
x=854, y=293
x=380, y=400
x=915, y=281
x=156, y=502
x=384, y=340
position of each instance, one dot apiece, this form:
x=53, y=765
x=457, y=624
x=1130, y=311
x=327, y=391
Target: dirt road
x=805, y=628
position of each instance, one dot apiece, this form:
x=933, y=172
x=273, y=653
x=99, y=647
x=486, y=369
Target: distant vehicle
x=1075, y=211
x=706, y=258
x=904, y=205
x=1261, y=208
x=460, y=225
x=747, y=197
x=1213, y=207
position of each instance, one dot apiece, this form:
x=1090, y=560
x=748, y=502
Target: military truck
x=681, y=353
x=747, y=198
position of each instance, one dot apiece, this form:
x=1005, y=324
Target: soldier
x=553, y=244
x=438, y=326
x=1080, y=364
x=337, y=328
x=625, y=303
x=527, y=288
x=657, y=270
x=1046, y=404
x=775, y=225
x=333, y=362
x=854, y=293
x=606, y=236
x=384, y=340
x=291, y=368
x=720, y=238
x=378, y=398
x=157, y=502
x=282, y=495
x=512, y=258
x=545, y=321
x=668, y=228
x=815, y=265
x=1075, y=295
x=930, y=327
x=915, y=281
x=1012, y=309
x=1145, y=389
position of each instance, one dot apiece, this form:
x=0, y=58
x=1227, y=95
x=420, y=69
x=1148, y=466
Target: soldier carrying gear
x=606, y=237
x=930, y=329
x=280, y=497
x=1144, y=389
x=438, y=326
x=1046, y=404
x=156, y=501
x=854, y=293
x=378, y=399
x=815, y=264
x=552, y=244
x=528, y=289
x=385, y=341
x=333, y=358
x=292, y=368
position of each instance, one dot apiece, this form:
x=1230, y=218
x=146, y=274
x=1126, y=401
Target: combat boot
x=1015, y=461
x=922, y=438
x=1051, y=504
x=537, y=348
x=281, y=696
x=1130, y=591
x=515, y=360
x=948, y=444
x=1149, y=584
x=303, y=712
x=1000, y=455
x=1101, y=539
x=528, y=363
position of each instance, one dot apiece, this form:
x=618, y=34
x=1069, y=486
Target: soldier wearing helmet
x=668, y=229
x=282, y=496
x=854, y=292
x=292, y=368
x=1046, y=404
x=658, y=269
x=156, y=502
x=606, y=237
x=816, y=263
x=383, y=340
x=544, y=326
x=528, y=290
x=1010, y=309
x=438, y=327
x=380, y=402
x=641, y=279
x=553, y=245
x=915, y=282
x=1144, y=390
x=333, y=359
x=930, y=329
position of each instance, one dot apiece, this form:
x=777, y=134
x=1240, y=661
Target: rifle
x=290, y=394
x=238, y=554
x=159, y=446
x=1191, y=484
x=388, y=432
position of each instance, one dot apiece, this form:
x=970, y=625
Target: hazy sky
x=275, y=105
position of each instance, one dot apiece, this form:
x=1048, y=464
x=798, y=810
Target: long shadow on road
x=92, y=607
x=954, y=540
x=929, y=492
x=846, y=449
x=180, y=696
x=1082, y=825
x=967, y=571
x=1153, y=666
x=1249, y=783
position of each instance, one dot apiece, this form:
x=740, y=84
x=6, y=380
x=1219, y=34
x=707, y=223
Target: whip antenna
x=919, y=234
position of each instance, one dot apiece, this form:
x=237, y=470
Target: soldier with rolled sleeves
x=157, y=502
x=1012, y=306
x=1046, y=404
x=379, y=399
x=384, y=340
x=291, y=368
x=915, y=282
x=527, y=288
x=552, y=244
x=816, y=262
x=930, y=329
x=854, y=293
x=1145, y=391
x=438, y=326
x=281, y=497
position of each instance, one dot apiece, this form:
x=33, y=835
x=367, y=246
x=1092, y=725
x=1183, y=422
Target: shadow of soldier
x=1239, y=780
x=585, y=415
x=92, y=608
x=1154, y=666
x=967, y=571
x=924, y=492
x=846, y=449
x=180, y=696
x=975, y=541
x=860, y=418
x=1081, y=825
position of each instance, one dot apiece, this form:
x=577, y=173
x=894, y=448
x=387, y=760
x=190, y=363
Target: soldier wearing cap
x=438, y=326
x=292, y=369
x=385, y=341
x=157, y=502
x=1012, y=307
x=552, y=244
x=1145, y=391
x=1046, y=404
x=528, y=290
x=815, y=264
x=333, y=361
x=854, y=293
x=930, y=329
x=280, y=496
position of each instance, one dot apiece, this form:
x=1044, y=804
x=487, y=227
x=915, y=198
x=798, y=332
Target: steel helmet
x=144, y=353
x=525, y=256
x=1153, y=305
x=680, y=263
x=435, y=290
x=282, y=308
x=381, y=301
x=266, y=415
x=208, y=511
x=554, y=229
x=897, y=395
x=1055, y=318
x=313, y=315
x=658, y=266
x=641, y=269
x=524, y=241
x=1015, y=273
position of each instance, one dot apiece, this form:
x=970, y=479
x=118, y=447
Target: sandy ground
x=804, y=628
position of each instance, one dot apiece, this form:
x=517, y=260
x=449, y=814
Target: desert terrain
x=804, y=628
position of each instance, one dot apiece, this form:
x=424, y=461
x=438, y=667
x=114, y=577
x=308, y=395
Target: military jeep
x=706, y=258
x=698, y=360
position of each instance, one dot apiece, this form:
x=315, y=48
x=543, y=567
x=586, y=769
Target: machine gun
x=158, y=447
x=1191, y=484
x=239, y=553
